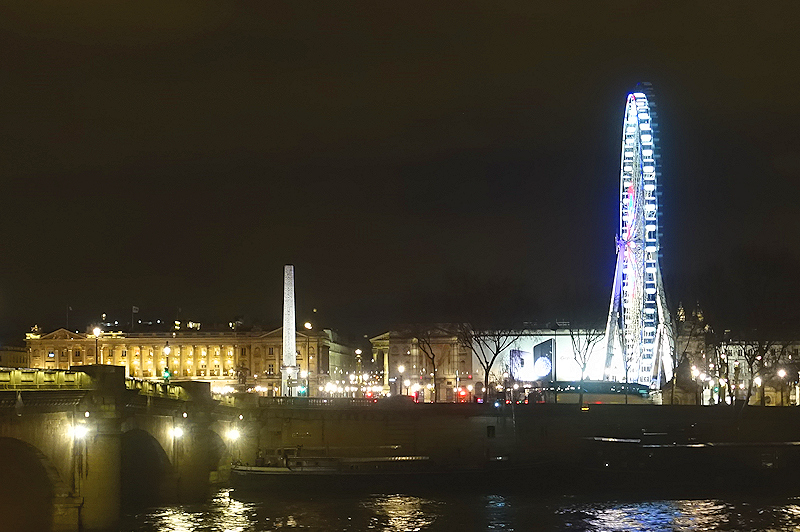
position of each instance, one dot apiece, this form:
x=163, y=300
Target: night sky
x=175, y=155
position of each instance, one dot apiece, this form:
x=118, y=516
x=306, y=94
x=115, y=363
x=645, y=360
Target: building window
x=124, y=353
x=271, y=368
x=243, y=352
x=51, y=354
x=271, y=350
x=77, y=354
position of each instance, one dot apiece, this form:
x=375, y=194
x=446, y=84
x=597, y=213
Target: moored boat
x=288, y=468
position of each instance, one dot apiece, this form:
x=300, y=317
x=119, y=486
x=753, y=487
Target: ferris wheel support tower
x=639, y=336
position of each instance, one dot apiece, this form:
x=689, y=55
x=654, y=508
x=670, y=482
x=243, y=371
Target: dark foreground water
x=230, y=511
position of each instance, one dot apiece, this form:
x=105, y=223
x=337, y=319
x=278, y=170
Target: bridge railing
x=42, y=379
x=249, y=399
x=334, y=402
x=156, y=388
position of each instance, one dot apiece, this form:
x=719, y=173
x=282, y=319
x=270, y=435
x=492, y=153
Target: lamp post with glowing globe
x=401, y=369
x=97, y=357
x=166, y=374
x=782, y=375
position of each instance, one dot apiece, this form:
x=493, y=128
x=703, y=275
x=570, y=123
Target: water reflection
x=497, y=513
x=644, y=517
x=338, y=511
x=680, y=516
x=221, y=513
x=400, y=513
x=791, y=511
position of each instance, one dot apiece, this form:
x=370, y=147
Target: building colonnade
x=253, y=357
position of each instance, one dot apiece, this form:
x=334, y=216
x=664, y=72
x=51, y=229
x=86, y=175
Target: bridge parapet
x=158, y=389
x=250, y=400
x=43, y=379
x=316, y=402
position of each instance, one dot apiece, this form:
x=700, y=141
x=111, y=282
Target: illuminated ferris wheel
x=639, y=343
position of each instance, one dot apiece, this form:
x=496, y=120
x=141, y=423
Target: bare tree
x=627, y=360
x=584, y=338
x=754, y=294
x=725, y=371
x=426, y=345
x=717, y=347
x=586, y=322
x=487, y=343
x=758, y=354
x=688, y=338
x=428, y=340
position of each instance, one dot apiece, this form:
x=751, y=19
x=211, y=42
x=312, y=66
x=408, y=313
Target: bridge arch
x=218, y=453
x=30, y=486
x=202, y=459
x=147, y=474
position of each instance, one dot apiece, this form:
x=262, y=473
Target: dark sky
x=176, y=154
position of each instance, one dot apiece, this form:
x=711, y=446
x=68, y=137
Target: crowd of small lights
x=708, y=382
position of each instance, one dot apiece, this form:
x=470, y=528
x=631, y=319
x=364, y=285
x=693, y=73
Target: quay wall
x=452, y=435
x=467, y=435
x=160, y=442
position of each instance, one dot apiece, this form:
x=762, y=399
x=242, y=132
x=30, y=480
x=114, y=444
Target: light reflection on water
x=333, y=512
x=396, y=513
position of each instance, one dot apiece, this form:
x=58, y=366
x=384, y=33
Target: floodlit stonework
x=252, y=356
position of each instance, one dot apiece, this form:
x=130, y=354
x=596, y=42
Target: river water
x=231, y=511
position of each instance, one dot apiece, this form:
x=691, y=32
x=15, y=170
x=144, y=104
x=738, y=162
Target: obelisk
x=289, y=366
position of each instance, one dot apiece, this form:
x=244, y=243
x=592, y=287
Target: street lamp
x=166, y=373
x=757, y=382
x=97, y=332
x=782, y=375
x=695, y=375
x=400, y=370
x=79, y=432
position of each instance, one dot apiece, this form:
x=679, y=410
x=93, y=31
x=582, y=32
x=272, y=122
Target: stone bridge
x=78, y=445
x=75, y=444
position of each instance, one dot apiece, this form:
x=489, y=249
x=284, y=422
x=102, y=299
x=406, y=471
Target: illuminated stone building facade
x=13, y=357
x=194, y=355
x=459, y=369
x=408, y=370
